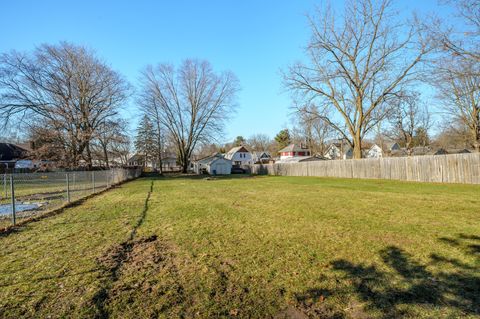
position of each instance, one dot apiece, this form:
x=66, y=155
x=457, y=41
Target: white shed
x=219, y=166
x=213, y=165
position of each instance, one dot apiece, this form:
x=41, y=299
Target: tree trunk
x=357, y=146
x=89, y=157
x=105, y=155
x=476, y=137
x=159, y=148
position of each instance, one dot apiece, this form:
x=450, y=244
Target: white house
x=261, y=157
x=338, y=150
x=213, y=165
x=374, y=152
x=239, y=156
x=294, y=150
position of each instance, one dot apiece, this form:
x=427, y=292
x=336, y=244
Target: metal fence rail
x=24, y=195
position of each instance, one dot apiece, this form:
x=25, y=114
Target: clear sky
x=253, y=38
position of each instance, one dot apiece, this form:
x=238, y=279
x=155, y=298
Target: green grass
x=251, y=248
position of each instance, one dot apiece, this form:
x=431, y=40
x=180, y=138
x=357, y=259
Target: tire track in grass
x=112, y=261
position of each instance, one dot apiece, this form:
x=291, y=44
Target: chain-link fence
x=31, y=194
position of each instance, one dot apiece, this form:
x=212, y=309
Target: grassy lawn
x=260, y=247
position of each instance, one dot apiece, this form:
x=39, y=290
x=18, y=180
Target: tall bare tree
x=458, y=84
x=192, y=102
x=66, y=85
x=260, y=142
x=358, y=63
x=407, y=118
x=108, y=141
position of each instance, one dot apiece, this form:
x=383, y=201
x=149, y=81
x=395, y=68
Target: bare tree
x=192, y=102
x=66, y=85
x=458, y=84
x=109, y=138
x=358, y=63
x=312, y=129
x=260, y=142
x=408, y=116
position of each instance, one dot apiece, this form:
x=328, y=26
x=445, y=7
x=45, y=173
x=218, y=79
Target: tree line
x=69, y=101
x=364, y=65
x=360, y=78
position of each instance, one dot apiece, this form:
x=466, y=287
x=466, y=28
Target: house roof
x=294, y=148
x=10, y=152
x=234, y=150
x=209, y=159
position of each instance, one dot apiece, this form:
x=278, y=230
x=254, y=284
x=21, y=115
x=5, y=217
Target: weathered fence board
x=453, y=168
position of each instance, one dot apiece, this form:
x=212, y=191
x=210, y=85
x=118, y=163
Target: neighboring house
x=440, y=151
x=261, y=157
x=420, y=150
x=239, y=156
x=32, y=164
x=300, y=159
x=10, y=154
x=169, y=162
x=393, y=146
x=338, y=150
x=213, y=165
x=294, y=150
x=374, y=152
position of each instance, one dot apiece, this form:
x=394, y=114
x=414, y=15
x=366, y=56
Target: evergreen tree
x=283, y=139
x=145, y=140
x=239, y=141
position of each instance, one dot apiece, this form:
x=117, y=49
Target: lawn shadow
x=442, y=282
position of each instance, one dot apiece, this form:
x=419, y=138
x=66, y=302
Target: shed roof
x=10, y=152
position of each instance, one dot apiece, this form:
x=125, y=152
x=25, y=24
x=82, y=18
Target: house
x=10, y=154
x=338, y=149
x=374, y=152
x=215, y=164
x=440, y=151
x=261, y=157
x=294, y=150
x=239, y=156
x=169, y=162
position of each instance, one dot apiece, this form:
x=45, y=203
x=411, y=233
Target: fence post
x=68, y=187
x=12, y=192
x=5, y=184
x=93, y=181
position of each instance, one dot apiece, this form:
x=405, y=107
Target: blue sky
x=254, y=39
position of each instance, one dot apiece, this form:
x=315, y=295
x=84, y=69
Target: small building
x=393, y=146
x=294, y=150
x=169, y=162
x=10, y=154
x=374, y=152
x=216, y=164
x=239, y=156
x=261, y=157
x=440, y=151
x=338, y=150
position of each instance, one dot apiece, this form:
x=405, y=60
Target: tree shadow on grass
x=454, y=284
x=394, y=289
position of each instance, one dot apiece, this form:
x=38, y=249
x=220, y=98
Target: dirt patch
x=142, y=278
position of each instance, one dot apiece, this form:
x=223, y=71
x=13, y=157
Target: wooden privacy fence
x=454, y=168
